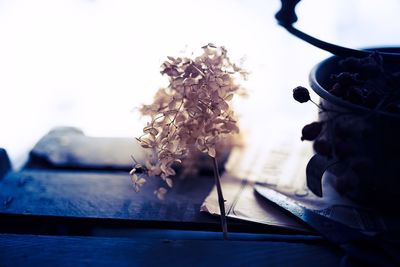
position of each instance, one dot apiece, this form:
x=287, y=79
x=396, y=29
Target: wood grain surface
x=100, y=195
x=54, y=201
x=24, y=250
x=74, y=205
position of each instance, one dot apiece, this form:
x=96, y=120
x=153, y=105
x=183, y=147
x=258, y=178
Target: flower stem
x=221, y=200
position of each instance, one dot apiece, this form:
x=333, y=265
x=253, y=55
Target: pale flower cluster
x=193, y=110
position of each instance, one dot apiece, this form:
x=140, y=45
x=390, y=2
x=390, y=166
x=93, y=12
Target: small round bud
x=311, y=131
x=301, y=94
x=350, y=63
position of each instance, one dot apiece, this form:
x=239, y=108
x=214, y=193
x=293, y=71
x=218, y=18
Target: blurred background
x=92, y=63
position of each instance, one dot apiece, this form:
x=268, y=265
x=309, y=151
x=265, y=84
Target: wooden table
x=73, y=204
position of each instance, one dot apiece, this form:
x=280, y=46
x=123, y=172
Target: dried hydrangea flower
x=194, y=110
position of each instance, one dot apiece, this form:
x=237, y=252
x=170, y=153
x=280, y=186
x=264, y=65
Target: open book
x=279, y=162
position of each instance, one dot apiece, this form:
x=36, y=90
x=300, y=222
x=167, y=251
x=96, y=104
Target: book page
x=279, y=163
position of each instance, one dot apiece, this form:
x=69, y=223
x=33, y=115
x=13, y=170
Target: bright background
x=90, y=64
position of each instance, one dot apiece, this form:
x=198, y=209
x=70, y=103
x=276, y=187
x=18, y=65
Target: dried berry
x=345, y=78
x=337, y=90
x=350, y=64
x=355, y=95
x=376, y=57
x=369, y=82
x=371, y=66
x=301, y=94
x=311, y=131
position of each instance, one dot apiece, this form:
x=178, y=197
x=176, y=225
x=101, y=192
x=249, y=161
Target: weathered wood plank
x=26, y=250
x=100, y=195
x=51, y=201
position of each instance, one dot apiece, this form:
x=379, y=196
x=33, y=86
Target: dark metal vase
x=365, y=142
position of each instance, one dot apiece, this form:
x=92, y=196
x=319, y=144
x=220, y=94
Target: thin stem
x=202, y=73
x=134, y=160
x=221, y=200
x=312, y=101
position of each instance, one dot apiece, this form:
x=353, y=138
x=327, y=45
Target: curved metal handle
x=286, y=16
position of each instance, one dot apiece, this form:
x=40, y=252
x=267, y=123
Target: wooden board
x=74, y=205
x=27, y=250
x=45, y=201
x=100, y=195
